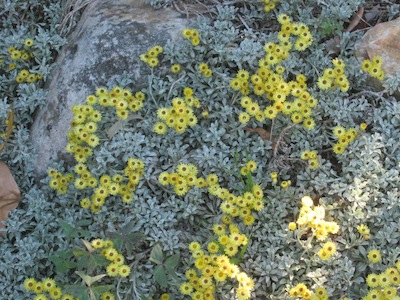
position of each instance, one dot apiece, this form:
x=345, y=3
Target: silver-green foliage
x=359, y=186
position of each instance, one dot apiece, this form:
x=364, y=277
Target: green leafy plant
x=165, y=266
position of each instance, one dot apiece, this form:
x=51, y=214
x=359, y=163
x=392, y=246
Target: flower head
x=374, y=256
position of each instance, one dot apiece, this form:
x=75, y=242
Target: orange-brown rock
x=383, y=40
x=9, y=193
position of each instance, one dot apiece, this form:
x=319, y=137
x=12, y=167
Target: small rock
x=9, y=193
x=107, y=41
x=383, y=40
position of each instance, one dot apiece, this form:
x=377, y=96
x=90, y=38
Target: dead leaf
x=265, y=135
x=355, y=20
x=9, y=193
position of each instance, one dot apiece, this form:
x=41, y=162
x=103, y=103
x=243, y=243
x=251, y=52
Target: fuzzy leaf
x=160, y=276
x=156, y=255
x=172, y=262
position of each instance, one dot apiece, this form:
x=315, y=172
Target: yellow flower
x=313, y=163
x=292, y=226
x=330, y=247
x=373, y=280
x=244, y=117
x=270, y=112
x=324, y=254
x=165, y=296
x=124, y=271
x=248, y=220
x=296, y=117
x=324, y=83
x=112, y=270
x=309, y=123
x=30, y=284
x=186, y=288
x=28, y=42
x=363, y=126
x=85, y=203
x=176, y=68
x=160, y=128
x=285, y=184
x=55, y=293
x=339, y=148
x=374, y=256
x=187, y=32
x=251, y=165
x=363, y=229
x=195, y=41
x=107, y=296
x=110, y=253
x=194, y=246
x=366, y=65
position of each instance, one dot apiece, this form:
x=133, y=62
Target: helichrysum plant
x=256, y=78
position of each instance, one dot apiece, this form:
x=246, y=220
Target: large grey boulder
x=107, y=41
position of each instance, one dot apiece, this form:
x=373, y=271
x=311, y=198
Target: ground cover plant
x=231, y=175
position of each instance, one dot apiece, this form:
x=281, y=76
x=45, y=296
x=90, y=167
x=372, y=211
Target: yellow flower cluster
x=192, y=35
x=151, y=56
x=58, y=181
x=205, y=70
x=213, y=268
x=116, y=185
x=216, y=266
x=274, y=177
x=180, y=115
x=364, y=230
x=344, y=136
x=3, y=135
x=183, y=179
x=45, y=289
x=239, y=206
x=327, y=251
x=121, y=99
x=285, y=183
x=373, y=67
x=269, y=80
x=313, y=217
x=269, y=5
x=231, y=242
x=250, y=166
x=311, y=157
x=335, y=77
x=21, y=57
x=20, y=54
x=25, y=76
x=116, y=266
x=384, y=285
x=302, y=291
x=82, y=139
x=241, y=82
x=297, y=29
x=235, y=206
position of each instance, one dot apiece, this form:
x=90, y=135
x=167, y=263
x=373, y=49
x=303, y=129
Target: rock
x=107, y=41
x=383, y=40
x=9, y=193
